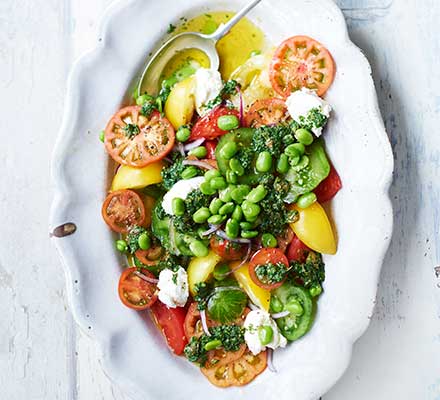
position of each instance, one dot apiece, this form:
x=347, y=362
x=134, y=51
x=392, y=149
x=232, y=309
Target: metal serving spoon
x=149, y=81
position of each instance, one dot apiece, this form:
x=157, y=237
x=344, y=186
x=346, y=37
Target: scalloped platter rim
x=356, y=142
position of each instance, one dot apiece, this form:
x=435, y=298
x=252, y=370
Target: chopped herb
x=311, y=272
x=171, y=28
x=315, y=119
x=270, y=138
x=156, y=103
x=172, y=174
x=202, y=292
x=229, y=88
x=194, y=201
x=131, y=130
x=271, y=273
x=274, y=214
x=230, y=336
x=133, y=238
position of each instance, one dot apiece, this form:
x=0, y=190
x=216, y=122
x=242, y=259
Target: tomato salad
x=217, y=199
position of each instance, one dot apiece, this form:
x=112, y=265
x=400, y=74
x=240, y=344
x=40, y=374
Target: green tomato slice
x=226, y=304
x=293, y=327
x=163, y=229
x=308, y=178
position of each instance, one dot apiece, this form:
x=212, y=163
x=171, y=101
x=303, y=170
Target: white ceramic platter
x=134, y=353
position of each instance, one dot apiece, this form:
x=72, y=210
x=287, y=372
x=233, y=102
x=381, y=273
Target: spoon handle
x=224, y=29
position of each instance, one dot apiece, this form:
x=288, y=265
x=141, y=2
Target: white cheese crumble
x=300, y=102
x=208, y=84
x=180, y=189
x=256, y=319
x=173, y=287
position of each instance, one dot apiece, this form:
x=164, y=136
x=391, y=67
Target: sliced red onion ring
x=146, y=278
x=270, y=361
x=179, y=147
x=204, y=323
x=194, y=144
x=241, y=113
x=244, y=261
x=223, y=235
x=212, y=229
x=198, y=163
x=281, y=314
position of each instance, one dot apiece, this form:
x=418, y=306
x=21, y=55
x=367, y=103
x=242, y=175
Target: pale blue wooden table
x=44, y=356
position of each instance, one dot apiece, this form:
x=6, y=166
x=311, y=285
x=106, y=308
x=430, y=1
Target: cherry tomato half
x=206, y=127
x=328, y=188
x=266, y=112
x=297, y=250
x=226, y=249
x=135, y=140
x=265, y=256
x=151, y=256
x=123, y=209
x=136, y=292
x=171, y=322
x=301, y=62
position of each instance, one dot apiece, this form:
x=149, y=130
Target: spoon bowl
x=149, y=82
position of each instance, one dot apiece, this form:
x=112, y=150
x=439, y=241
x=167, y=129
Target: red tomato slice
x=227, y=250
x=136, y=292
x=328, y=188
x=206, y=127
x=123, y=209
x=171, y=322
x=192, y=325
x=135, y=140
x=210, y=147
x=301, y=62
x=297, y=250
x=266, y=256
x=266, y=112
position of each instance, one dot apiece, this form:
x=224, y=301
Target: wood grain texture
x=42, y=353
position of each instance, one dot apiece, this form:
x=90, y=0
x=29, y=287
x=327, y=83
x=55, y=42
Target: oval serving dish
x=356, y=143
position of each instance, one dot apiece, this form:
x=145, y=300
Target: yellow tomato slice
x=137, y=178
x=313, y=228
x=258, y=295
x=200, y=268
x=179, y=108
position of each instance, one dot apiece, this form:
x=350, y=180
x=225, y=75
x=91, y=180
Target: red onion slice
x=146, y=278
x=179, y=147
x=212, y=229
x=281, y=314
x=198, y=163
x=204, y=323
x=194, y=144
x=223, y=235
x=241, y=113
x=244, y=261
x=270, y=364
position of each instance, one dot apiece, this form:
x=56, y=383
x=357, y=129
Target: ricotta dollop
x=180, y=189
x=254, y=321
x=301, y=102
x=207, y=86
x=173, y=287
